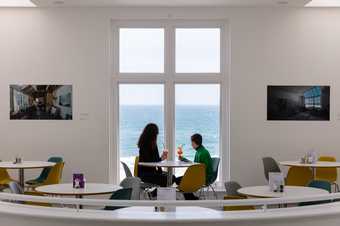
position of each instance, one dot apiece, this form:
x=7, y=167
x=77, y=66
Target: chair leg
x=214, y=192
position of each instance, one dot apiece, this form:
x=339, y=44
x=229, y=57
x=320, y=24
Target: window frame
x=169, y=79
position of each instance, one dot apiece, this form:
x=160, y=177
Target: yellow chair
x=299, y=176
x=327, y=174
x=54, y=175
x=236, y=208
x=193, y=179
x=135, y=169
x=5, y=179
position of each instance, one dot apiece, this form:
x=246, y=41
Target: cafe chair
x=299, y=176
x=5, y=179
x=15, y=188
x=212, y=180
x=320, y=184
x=135, y=184
x=126, y=169
x=146, y=187
x=270, y=166
x=135, y=169
x=236, y=208
x=193, y=179
x=231, y=188
x=328, y=174
x=44, y=173
x=54, y=176
x=121, y=194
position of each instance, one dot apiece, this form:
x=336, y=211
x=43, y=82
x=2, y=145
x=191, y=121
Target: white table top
x=289, y=192
x=168, y=163
x=26, y=165
x=67, y=189
x=319, y=164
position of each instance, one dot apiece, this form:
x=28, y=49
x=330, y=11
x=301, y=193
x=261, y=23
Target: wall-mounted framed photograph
x=41, y=102
x=298, y=103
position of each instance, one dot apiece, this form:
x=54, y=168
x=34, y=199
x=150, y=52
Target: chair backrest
x=121, y=194
x=236, y=208
x=54, y=176
x=126, y=169
x=327, y=174
x=194, y=178
x=325, y=185
x=135, y=169
x=15, y=188
x=44, y=173
x=4, y=174
x=299, y=176
x=215, y=166
x=135, y=184
x=232, y=187
x=270, y=166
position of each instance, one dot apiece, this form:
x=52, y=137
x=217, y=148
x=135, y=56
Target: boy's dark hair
x=197, y=138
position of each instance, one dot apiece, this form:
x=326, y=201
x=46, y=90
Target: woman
x=148, y=152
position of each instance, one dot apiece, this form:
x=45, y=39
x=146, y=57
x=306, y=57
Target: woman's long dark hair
x=148, y=138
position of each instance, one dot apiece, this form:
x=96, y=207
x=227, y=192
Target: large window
x=172, y=73
x=198, y=111
x=139, y=104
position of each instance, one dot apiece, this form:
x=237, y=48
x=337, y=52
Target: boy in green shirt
x=202, y=156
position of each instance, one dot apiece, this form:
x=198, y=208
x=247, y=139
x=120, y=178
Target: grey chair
x=135, y=184
x=121, y=194
x=15, y=188
x=270, y=166
x=231, y=188
x=126, y=169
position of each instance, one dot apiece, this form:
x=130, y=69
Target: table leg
x=79, y=197
x=314, y=173
x=22, y=178
x=169, y=177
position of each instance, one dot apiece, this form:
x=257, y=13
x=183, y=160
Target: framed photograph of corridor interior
x=299, y=103
x=40, y=102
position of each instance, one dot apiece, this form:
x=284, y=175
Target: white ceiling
x=169, y=3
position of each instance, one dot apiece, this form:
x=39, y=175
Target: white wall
x=70, y=46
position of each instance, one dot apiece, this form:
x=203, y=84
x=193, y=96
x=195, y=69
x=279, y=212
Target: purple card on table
x=78, y=180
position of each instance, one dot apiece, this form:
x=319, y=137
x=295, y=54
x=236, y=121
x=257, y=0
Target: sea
x=189, y=119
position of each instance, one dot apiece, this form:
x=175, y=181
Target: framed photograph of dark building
x=40, y=102
x=299, y=103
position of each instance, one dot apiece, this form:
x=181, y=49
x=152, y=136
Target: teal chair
x=44, y=173
x=121, y=194
x=209, y=184
x=321, y=184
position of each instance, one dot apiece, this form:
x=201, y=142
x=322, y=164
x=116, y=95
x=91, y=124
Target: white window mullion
x=170, y=91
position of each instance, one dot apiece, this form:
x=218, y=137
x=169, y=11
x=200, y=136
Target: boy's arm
x=183, y=159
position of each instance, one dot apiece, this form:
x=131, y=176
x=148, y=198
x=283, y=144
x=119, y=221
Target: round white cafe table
x=170, y=165
x=313, y=166
x=25, y=165
x=289, y=192
x=68, y=190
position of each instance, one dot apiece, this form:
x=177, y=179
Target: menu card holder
x=276, y=182
x=166, y=194
x=78, y=180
